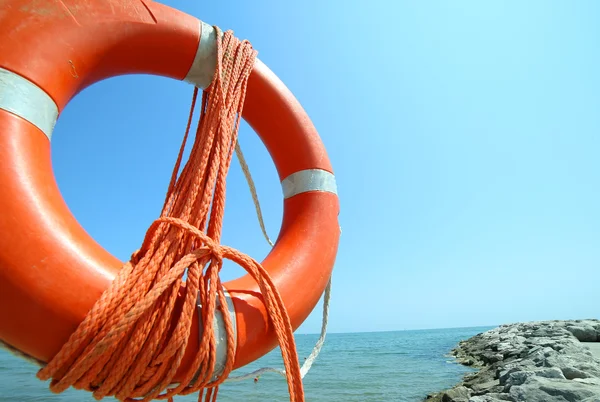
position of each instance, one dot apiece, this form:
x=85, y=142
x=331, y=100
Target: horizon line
x=397, y=330
x=444, y=328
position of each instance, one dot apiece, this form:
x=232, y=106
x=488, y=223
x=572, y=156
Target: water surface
x=399, y=366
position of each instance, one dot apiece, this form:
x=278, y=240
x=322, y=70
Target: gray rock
x=521, y=365
x=458, y=394
x=547, y=333
x=505, y=374
x=577, y=359
x=589, y=381
x=538, y=389
x=489, y=357
x=485, y=387
x=585, y=333
x=492, y=397
x=486, y=374
x=572, y=373
x=521, y=377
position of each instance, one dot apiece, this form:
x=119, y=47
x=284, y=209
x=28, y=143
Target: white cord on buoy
x=326, y=294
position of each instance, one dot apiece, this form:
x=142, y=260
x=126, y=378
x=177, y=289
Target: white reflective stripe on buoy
x=308, y=180
x=23, y=98
x=203, y=68
x=220, y=333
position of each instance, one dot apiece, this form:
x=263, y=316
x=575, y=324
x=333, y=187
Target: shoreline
x=542, y=361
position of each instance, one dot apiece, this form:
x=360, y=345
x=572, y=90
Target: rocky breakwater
x=546, y=361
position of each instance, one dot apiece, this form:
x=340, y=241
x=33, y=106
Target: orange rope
x=132, y=341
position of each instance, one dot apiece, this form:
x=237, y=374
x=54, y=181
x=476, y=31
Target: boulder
x=572, y=373
x=539, y=389
x=486, y=387
x=492, y=397
x=458, y=394
x=585, y=333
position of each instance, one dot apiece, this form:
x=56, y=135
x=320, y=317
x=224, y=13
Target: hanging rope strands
x=123, y=348
x=162, y=324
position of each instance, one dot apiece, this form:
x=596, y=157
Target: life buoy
x=51, y=270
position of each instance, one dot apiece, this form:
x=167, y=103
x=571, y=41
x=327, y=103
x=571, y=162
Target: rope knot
x=217, y=254
x=208, y=245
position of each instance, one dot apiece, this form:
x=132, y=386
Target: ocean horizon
x=487, y=327
x=403, y=366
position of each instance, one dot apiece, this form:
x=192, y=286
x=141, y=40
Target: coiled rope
x=131, y=343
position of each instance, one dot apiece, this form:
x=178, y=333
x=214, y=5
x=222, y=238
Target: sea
x=403, y=366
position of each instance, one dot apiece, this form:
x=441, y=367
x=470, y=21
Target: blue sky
x=464, y=137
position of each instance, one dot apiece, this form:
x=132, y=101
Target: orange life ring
x=51, y=270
